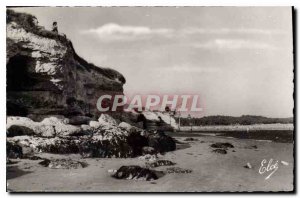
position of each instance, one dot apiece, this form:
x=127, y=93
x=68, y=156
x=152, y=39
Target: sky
x=239, y=60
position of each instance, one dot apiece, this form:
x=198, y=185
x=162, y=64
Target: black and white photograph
x=150, y=99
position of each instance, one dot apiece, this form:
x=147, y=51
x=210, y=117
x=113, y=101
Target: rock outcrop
x=46, y=76
x=52, y=95
x=25, y=138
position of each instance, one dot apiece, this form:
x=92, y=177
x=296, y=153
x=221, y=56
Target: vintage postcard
x=149, y=99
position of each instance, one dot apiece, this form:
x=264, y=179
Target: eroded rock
x=17, y=126
x=220, y=151
x=107, y=120
x=178, y=170
x=63, y=164
x=105, y=140
x=135, y=173
x=161, y=163
x=222, y=145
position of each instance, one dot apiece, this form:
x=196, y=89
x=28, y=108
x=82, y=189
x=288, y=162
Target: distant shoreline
x=253, y=127
x=271, y=134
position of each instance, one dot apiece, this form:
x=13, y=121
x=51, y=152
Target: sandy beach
x=211, y=171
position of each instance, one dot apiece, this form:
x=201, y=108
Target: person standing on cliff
x=54, y=27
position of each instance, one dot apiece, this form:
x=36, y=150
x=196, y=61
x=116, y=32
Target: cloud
x=233, y=44
x=112, y=31
x=115, y=32
x=189, y=68
x=223, y=31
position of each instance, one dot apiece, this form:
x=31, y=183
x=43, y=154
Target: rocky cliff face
x=46, y=76
x=51, y=99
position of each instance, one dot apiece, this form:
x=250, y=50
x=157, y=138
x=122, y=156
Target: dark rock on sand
x=222, y=145
x=136, y=173
x=35, y=158
x=220, y=151
x=63, y=164
x=190, y=139
x=251, y=147
x=161, y=163
x=178, y=170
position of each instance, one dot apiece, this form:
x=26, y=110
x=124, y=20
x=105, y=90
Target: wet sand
x=210, y=171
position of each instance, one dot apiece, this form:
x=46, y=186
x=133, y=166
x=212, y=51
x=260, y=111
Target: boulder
x=94, y=124
x=106, y=119
x=41, y=117
x=61, y=126
x=16, y=130
x=45, y=130
x=54, y=121
x=20, y=121
x=87, y=129
x=67, y=130
x=24, y=126
x=79, y=120
x=130, y=128
x=125, y=126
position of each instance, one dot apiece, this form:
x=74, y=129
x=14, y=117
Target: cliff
x=46, y=76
